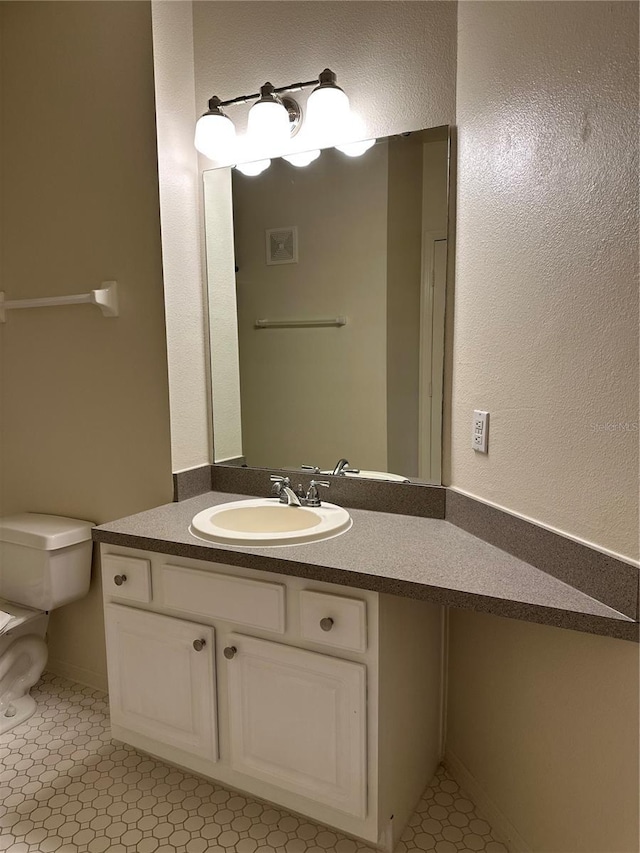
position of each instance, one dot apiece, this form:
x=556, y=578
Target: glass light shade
x=303, y=158
x=327, y=109
x=215, y=135
x=356, y=149
x=269, y=122
x=253, y=169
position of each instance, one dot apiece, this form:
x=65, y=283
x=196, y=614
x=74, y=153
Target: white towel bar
x=291, y=324
x=106, y=298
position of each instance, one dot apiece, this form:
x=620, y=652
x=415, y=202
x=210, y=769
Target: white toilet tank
x=45, y=560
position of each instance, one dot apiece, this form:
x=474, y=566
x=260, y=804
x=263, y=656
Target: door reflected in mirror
x=327, y=289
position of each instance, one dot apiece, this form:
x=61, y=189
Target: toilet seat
x=18, y=614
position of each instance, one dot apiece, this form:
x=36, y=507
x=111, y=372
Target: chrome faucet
x=342, y=468
x=282, y=489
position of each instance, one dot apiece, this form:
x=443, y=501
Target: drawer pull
x=126, y=578
x=333, y=620
x=230, y=652
x=199, y=645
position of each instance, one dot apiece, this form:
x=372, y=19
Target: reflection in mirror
x=326, y=292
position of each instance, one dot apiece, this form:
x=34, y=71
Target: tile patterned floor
x=66, y=787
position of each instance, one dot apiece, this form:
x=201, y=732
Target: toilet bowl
x=45, y=562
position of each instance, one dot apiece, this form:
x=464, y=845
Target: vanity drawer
x=333, y=620
x=259, y=604
x=128, y=578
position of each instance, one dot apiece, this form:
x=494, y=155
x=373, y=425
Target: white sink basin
x=374, y=475
x=266, y=521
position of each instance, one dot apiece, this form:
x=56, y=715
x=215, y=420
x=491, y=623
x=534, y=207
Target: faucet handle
x=313, y=498
x=279, y=484
x=313, y=468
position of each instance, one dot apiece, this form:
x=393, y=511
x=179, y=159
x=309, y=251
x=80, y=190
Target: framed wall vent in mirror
x=336, y=351
x=282, y=245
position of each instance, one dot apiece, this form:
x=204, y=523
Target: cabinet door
x=160, y=684
x=298, y=720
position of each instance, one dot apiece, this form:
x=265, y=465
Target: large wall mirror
x=327, y=292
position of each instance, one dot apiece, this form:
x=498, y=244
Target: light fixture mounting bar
x=245, y=99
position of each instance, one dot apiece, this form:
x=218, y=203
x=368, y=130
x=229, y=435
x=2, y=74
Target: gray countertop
x=422, y=558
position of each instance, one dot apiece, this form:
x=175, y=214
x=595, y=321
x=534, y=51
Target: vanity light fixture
x=356, y=149
x=257, y=167
x=354, y=144
x=303, y=158
x=274, y=118
x=269, y=118
x=215, y=132
x=328, y=105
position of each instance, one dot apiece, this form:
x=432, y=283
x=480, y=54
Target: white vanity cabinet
x=162, y=679
x=322, y=699
x=297, y=720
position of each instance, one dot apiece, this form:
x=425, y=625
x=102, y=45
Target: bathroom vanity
x=306, y=694
x=310, y=675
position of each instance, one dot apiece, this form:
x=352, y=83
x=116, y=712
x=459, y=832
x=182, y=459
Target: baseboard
x=501, y=825
x=79, y=674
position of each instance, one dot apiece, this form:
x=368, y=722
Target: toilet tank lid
x=45, y=532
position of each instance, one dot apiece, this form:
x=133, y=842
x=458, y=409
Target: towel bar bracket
x=105, y=297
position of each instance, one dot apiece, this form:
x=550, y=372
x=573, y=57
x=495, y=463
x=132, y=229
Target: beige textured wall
x=546, y=332
x=546, y=310
x=85, y=428
x=307, y=393
x=547, y=721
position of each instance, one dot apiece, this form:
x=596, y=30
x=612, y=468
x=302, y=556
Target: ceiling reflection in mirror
x=326, y=289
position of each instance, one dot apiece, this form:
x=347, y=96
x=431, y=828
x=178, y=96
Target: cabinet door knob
x=199, y=645
x=119, y=579
x=230, y=652
x=327, y=623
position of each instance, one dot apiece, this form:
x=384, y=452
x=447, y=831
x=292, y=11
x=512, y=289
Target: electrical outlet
x=480, y=431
